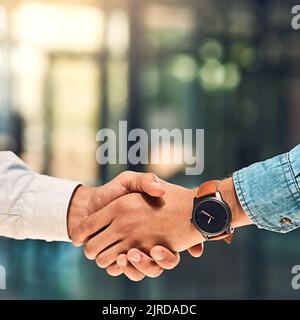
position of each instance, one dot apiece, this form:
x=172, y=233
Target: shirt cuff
x=48, y=218
x=269, y=192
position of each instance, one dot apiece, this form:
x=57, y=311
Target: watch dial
x=211, y=216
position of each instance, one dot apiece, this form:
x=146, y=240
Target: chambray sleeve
x=269, y=192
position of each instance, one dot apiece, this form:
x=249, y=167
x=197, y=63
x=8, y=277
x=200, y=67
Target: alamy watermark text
x=160, y=146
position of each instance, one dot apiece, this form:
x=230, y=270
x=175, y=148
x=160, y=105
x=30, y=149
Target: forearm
x=32, y=206
x=269, y=192
x=266, y=194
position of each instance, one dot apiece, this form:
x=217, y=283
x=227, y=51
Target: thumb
x=141, y=182
x=151, y=185
x=197, y=250
x=124, y=183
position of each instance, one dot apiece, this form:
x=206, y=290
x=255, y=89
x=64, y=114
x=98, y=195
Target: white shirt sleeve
x=32, y=206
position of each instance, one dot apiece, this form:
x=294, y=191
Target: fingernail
x=135, y=257
x=158, y=255
x=122, y=262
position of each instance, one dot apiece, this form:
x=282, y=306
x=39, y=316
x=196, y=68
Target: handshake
x=135, y=225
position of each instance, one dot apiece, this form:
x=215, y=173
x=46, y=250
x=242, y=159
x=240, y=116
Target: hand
x=88, y=200
x=136, y=267
x=136, y=264
x=138, y=221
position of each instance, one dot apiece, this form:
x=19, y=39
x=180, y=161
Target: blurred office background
x=69, y=68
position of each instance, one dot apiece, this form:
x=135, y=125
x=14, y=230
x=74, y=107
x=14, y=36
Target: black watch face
x=212, y=216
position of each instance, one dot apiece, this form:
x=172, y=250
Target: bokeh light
x=232, y=76
x=211, y=49
x=184, y=68
x=212, y=75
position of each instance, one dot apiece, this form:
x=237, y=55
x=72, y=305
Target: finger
x=142, y=182
x=165, y=258
x=126, y=182
x=128, y=269
x=93, y=224
x=144, y=264
x=197, y=250
x=114, y=270
x=99, y=243
x=109, y=256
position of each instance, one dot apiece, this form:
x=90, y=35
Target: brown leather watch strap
x=208, y=189
x=227, y=237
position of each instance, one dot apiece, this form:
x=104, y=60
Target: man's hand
x=138, y=221
x=88, y=200
x=135, y=265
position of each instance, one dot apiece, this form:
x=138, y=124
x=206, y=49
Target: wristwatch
x=211, y=214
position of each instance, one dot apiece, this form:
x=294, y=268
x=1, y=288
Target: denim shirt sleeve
x=269, y=192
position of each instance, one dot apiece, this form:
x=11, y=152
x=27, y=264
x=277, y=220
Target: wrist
x=78, y=208
x=239, y=216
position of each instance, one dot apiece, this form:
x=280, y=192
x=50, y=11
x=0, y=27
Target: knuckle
x=128, y=204
x=133, y=202
x=126, y=227
x=124, y=174
x=136, y=203
x=150, y=175
x=87, y=226
x=121, y=205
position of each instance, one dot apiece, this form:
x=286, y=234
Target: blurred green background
x=69, y=68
